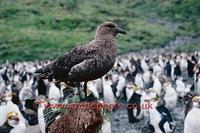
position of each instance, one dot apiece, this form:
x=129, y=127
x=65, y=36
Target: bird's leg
x=79, y=92
x=85, y=90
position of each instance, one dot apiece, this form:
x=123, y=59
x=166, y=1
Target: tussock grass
x=45, y=29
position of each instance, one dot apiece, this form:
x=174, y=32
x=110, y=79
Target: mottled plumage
x=84, y=120
x=86, y=62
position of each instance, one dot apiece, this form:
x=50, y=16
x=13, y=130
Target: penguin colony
x=166, y=81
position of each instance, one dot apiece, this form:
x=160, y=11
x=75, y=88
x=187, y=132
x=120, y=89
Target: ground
x=120, y=124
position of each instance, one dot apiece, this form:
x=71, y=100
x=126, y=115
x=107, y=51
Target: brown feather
x=86, y=62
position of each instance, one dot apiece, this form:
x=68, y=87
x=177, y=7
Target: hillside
x=45, y=29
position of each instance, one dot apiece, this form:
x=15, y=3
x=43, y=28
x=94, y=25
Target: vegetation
x=45, y=29
x=187, y=48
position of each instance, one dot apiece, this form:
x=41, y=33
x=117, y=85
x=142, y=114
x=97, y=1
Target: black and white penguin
x=177, y=70
x=13, y=124
x=168, y=69
x=190, y=67
x=108, y=94
x=192, y=121
x=10, y=106
x=134, y=114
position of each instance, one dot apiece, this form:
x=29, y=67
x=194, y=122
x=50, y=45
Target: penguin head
x=7, y=97
x=196, y=101
x=12, y=118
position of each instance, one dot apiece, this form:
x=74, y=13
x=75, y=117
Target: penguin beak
x=17, y=119
x=122, y=31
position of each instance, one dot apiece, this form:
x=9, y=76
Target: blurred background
x=45, y=29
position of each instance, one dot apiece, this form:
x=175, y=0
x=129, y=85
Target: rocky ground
x=120, y=124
